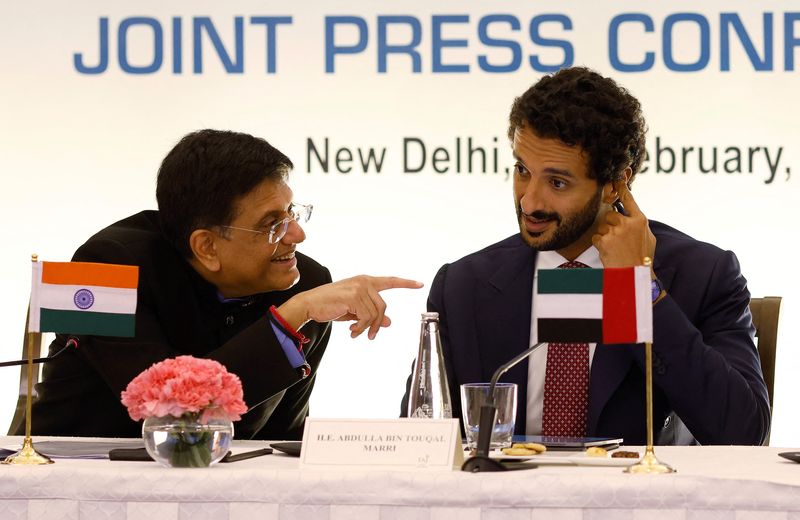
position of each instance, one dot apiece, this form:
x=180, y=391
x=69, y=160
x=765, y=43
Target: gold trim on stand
x=649, y=463
x=28, y=456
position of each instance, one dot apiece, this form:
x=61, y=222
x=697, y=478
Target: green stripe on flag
x=83, y=322
x=570, y=281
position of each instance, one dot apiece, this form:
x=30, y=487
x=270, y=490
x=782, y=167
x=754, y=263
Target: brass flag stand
x=649, y=463
x=28, y=456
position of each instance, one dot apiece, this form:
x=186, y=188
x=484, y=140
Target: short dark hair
x=203, y=176
x=580, y=107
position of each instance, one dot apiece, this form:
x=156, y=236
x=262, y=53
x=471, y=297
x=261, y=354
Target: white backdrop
x=80, y=150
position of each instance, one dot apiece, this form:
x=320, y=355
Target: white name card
x=387, y=444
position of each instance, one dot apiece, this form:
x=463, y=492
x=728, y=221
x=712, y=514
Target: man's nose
x=532, y=199
x=294, y=233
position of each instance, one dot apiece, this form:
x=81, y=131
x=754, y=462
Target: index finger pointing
x=393, y=282
x=626, y=197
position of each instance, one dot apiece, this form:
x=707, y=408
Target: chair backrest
x=765, y=313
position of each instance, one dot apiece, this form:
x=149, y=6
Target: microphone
x=72, y=341
x=481, y=460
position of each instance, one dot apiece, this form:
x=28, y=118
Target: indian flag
x=611, y=305
x=83, y=298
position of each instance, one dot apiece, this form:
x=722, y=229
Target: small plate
x=291, y=448
x=794, y=456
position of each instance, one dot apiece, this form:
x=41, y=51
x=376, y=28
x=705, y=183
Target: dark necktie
x=566, y=385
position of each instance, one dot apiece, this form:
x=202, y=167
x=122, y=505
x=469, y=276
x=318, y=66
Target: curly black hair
x=202, y=178
x=580, y=107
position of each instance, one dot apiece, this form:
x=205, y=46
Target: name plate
x=412, y=444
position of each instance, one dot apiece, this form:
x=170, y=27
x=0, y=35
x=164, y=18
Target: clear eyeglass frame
x=300, y=213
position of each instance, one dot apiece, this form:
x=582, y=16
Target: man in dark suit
x=578, y=140
x=220, y=278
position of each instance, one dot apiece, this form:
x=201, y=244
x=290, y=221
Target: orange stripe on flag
x=86, y=273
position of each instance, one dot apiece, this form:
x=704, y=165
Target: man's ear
x=627, y=175
x=611, y=190
x=203, y=244
x=610, y=193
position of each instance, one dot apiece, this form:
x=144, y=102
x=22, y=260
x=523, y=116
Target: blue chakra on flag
x=83, y=298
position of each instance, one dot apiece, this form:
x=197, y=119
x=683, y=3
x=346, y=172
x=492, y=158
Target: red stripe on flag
x=619, y=305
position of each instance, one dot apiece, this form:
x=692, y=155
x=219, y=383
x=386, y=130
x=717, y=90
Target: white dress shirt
x=537, y=363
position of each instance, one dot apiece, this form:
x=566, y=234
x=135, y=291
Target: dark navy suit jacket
x=706, y=370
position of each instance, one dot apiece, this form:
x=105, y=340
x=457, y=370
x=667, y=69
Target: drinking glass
x=474, y=396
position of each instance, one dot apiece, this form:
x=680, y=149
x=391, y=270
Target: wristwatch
x=655, y=290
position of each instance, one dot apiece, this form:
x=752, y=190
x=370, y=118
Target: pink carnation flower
x=185, y=384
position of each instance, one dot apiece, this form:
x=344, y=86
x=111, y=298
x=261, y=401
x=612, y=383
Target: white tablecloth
x=730, y=483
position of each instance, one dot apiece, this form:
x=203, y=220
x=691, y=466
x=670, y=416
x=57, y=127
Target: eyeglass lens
x=298, y=212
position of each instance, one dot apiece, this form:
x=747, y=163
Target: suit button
x=667, y=421
x=229, y=320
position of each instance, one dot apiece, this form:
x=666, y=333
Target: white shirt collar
x=551, y=259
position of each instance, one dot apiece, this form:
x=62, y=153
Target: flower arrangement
x=188, y=405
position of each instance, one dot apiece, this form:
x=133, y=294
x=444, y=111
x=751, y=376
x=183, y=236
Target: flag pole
x=28, y=456
x=649, y=463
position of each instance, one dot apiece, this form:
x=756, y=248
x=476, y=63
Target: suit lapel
x=504, y=325
x=610, y=365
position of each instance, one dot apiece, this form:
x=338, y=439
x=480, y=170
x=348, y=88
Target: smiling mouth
x=284, y=258
x=536, y=226
x=533, y=220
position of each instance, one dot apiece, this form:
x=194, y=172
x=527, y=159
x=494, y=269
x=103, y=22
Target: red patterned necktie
x=566, y=385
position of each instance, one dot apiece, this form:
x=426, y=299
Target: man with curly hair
x=578, y=140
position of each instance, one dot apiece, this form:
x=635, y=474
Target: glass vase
x=185, y=441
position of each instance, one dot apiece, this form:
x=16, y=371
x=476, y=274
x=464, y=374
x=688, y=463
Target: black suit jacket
x=177, y=313
x=705, y=364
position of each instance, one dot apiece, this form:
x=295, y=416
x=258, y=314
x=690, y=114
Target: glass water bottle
x=429, y=397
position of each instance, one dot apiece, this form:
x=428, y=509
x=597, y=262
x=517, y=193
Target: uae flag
x=83, y=298
x=611, y=305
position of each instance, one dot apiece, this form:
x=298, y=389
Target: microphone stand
x=27, y=455
x=481, y=460
x=71, y=342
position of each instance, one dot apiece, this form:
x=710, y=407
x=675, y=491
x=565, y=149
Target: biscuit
x=535, y=446
x=596, y=451
x=625, y=455
x=515, y=451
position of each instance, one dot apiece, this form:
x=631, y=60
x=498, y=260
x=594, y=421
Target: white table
x=712, y=482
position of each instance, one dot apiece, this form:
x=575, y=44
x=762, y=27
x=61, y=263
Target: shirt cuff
x=295, y=358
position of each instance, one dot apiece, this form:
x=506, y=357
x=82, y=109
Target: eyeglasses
x=300, y=213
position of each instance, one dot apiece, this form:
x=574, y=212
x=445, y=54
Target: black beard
x=568, y=230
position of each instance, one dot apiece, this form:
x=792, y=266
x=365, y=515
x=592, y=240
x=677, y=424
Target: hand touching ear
x=625, y=241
